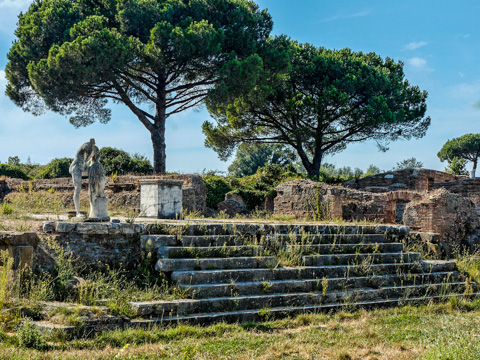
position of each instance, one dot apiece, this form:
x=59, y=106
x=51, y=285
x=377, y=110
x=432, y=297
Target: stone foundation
x=92, y=244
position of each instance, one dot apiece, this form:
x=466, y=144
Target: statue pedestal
x=161, y=198
x=99, y=208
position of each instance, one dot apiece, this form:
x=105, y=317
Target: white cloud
x=347, y=16
x=14, y=3
x=415, y=45
x=417, y=62
x=461, y=74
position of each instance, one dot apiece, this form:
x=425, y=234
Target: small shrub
x=29, y=336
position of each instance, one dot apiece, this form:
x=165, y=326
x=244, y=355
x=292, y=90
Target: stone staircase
x=249, y=276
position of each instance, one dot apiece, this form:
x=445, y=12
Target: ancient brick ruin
x=425, y=200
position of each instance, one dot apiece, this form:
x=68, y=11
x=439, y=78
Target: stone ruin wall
x=451, y=215
x=420, y=180
x=425, y=200
x=124, y=192
x=306, y=198
x=465, y=187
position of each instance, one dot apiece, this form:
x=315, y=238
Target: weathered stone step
x=169, y=265
x=176, y=252
x=328, y=238
x=202, y=291
x=375, y=258
x=233, y=240
x=281, y=312
x=345, y=248
x=305, y=272
x=233, y=316
x=216, y=240
x=264, y=301
x=253, y=262
x=236, y=228
x=208, y=252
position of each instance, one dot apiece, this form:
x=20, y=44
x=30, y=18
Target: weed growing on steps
x=30, y=337
x=6, y=209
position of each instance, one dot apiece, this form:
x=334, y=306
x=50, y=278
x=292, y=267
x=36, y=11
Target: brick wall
x=420, y=180
x=453, y=216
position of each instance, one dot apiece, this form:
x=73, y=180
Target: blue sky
x=438, y=40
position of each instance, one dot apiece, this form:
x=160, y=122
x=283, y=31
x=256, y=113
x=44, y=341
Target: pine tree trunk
x=159, y=154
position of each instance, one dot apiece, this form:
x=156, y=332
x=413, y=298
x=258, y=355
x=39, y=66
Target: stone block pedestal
x=161, y=198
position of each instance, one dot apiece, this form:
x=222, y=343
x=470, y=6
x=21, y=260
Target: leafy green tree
x=457, y=166
x=115, y=161
x=13, y=160
x=373, y=170
x=324, y=100
x=250, y=157
x=411, y=163
x=57, y=168
x=466, y=147
x=74, y=56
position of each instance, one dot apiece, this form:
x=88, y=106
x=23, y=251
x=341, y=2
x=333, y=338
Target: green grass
x=441, y=331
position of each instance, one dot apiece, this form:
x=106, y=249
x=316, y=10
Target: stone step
x=264, y=301
x=180, y=252
x=375, y=258
x=305, y=272
x=345, y=248
x=225, y=228
x=203, y=291
x=216, y=240
x=169, y=265
x=233, y=240
x=176, y=252
x=243, y=316
x=269, y=262
x=328, y=238
x=281, y=312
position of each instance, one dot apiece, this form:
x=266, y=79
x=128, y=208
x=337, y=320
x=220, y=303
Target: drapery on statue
x=96, y=180
x=96, y=187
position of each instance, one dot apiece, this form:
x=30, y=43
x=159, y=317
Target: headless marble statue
x=79, y=168
x=88, y=152
x=96, y=188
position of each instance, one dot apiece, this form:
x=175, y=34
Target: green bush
x=29, y=336
x=116, y=161
x=57, y=168
x=253, y=189
x=13, y=171
x=217, y=187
